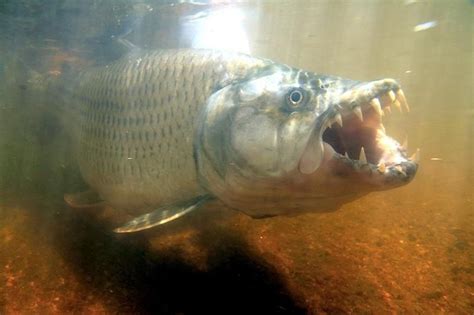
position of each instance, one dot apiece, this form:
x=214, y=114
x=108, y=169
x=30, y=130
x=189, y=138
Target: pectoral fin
x=162, y=215
x=82, y=200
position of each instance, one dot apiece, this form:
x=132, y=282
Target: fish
x=162, y=133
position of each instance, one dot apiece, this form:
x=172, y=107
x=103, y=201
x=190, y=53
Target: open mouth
x=354, y=129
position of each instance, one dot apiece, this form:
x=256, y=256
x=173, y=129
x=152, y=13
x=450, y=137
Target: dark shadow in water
x=136, y=279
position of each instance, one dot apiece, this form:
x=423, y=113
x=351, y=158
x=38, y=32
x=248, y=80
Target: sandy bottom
x=410, y=250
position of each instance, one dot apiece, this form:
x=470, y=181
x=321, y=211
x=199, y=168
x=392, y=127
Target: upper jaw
x=353, y=127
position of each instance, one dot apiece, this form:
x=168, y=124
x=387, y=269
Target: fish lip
x=370, y=101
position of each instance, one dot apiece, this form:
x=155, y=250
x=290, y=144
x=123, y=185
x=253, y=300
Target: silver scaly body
x=135, y=120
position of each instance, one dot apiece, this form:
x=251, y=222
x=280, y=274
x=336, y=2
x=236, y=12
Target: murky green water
x=408, y=250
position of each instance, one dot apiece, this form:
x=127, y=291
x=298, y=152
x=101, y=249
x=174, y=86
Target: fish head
x=286, y=141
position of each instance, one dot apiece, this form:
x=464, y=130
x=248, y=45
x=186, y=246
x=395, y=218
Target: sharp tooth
x=362, y=157
x=338, y=119
x=398, y=106
x=385, y=100
x=358, y=112
x=391, y=94
x=400, y=169
x=407, y=107
x=375, y=103
x=346, y=155
x=401, y=98
x=327, y=124
x=382, y=127
x=416, y=156
x=388, y=109
x=405, y=144
x=381, y=167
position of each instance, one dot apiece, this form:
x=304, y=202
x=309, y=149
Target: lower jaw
x=363, y=173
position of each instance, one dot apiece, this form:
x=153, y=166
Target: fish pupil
x=295, y=97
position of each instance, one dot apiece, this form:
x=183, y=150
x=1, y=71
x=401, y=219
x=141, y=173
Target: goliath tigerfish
x=164, y=132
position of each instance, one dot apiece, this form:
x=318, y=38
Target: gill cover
x=258, y=131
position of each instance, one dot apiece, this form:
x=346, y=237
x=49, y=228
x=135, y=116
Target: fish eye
x=295, y=97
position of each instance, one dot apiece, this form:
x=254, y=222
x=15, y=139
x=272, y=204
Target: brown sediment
x=34, y=277
x=388, y=253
